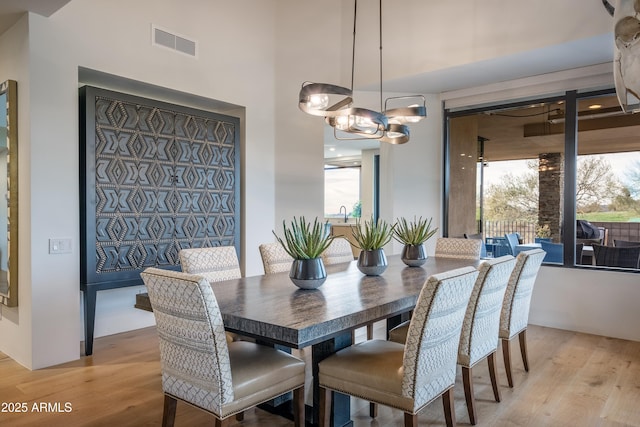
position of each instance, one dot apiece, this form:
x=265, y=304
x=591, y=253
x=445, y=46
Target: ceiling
x=12, y=10
x=525, y=132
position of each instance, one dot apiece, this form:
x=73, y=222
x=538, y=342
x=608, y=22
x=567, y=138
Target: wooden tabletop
x=272, y=308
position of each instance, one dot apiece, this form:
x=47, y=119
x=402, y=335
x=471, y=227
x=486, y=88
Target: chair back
x=214, y=264
x=338, y=251
x=513, y=241
x=479, y=335
x=611, y=256
x=624, y=243
x=429, y=361
x=517, y=298
x=555, y=252
x=449, y=247
x=478, y=236
x=274, y=258
x=194, y=356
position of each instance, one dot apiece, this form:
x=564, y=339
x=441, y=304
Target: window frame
x=570, y=99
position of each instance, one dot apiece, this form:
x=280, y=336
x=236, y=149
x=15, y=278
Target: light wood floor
x=575, y=380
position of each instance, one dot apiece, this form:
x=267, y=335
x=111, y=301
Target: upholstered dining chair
x=479, y=337
x=617, y=256
x=274, y=258
x=407, y=377
x=450, y=247
x=478, y=236
x=214, y=264
x=199, y=366
x=514, y=316
x=338, y=251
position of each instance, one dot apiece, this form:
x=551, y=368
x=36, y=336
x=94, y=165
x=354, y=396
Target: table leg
x=341, y=413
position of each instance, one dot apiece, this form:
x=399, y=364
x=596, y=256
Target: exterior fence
x=629, y=231
x=526, y=229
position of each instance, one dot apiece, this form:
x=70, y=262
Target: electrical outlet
x=60, y=246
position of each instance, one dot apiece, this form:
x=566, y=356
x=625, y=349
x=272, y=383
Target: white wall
x=590, y=301
x=16, y=322
x=235, y=64
x=308, y=49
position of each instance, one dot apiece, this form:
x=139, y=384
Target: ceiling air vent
x=164, y=38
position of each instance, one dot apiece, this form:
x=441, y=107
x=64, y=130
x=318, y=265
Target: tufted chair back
x=193, y=349
x=338, y=251
x=448, y=247
x=214, y=264
x=274, y=258
x=429, y=360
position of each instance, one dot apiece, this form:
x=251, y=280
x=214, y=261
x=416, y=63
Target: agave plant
x=413, y=232
x=373, y=234
x=304, y=240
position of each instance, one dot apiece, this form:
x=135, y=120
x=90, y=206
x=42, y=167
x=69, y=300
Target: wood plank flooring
x=574, y=380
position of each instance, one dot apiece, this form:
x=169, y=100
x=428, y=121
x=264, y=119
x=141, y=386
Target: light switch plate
x=60, y=246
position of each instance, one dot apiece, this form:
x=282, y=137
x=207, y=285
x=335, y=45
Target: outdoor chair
x=624, y=243
x=513, y=240
x=611, y=256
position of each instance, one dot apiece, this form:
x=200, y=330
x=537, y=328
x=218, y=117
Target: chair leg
x=491, y=359
x=298, y=407
x=370, y=331
x=506, y=354
x=410, y=420
x=324, y=410
x=240, y=416
x=467, y=382
x=523, y=349
x=222, y=423
x=169, y=411
x=373, y=409
x=449, y=408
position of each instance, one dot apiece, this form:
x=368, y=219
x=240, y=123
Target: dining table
x=271, y=309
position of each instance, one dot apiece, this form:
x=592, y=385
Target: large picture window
x=559, y=173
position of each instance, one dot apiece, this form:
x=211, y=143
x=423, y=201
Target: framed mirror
x=9, y=193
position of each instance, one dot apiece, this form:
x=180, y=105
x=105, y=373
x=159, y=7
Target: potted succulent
x=371, y=238
x=413, y=234
x=305, y=242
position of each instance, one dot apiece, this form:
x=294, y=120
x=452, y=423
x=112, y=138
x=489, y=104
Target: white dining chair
x=406, y=377
x=200, y=367
x=514, y=316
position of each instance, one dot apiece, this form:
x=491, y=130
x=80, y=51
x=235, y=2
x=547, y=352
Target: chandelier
x=335, y=104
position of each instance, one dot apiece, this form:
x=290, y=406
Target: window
x=342, y=192
x=535, y=168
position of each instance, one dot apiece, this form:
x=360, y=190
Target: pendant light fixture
x=334, y=103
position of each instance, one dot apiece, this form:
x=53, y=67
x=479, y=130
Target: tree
x=516, y=196
x=596, y=185
x=632, y=180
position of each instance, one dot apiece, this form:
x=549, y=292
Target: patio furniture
x=611, y=256
x=513, y=239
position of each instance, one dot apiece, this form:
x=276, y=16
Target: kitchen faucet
x=345, y=212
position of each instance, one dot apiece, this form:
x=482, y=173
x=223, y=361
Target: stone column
x=550, y=190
